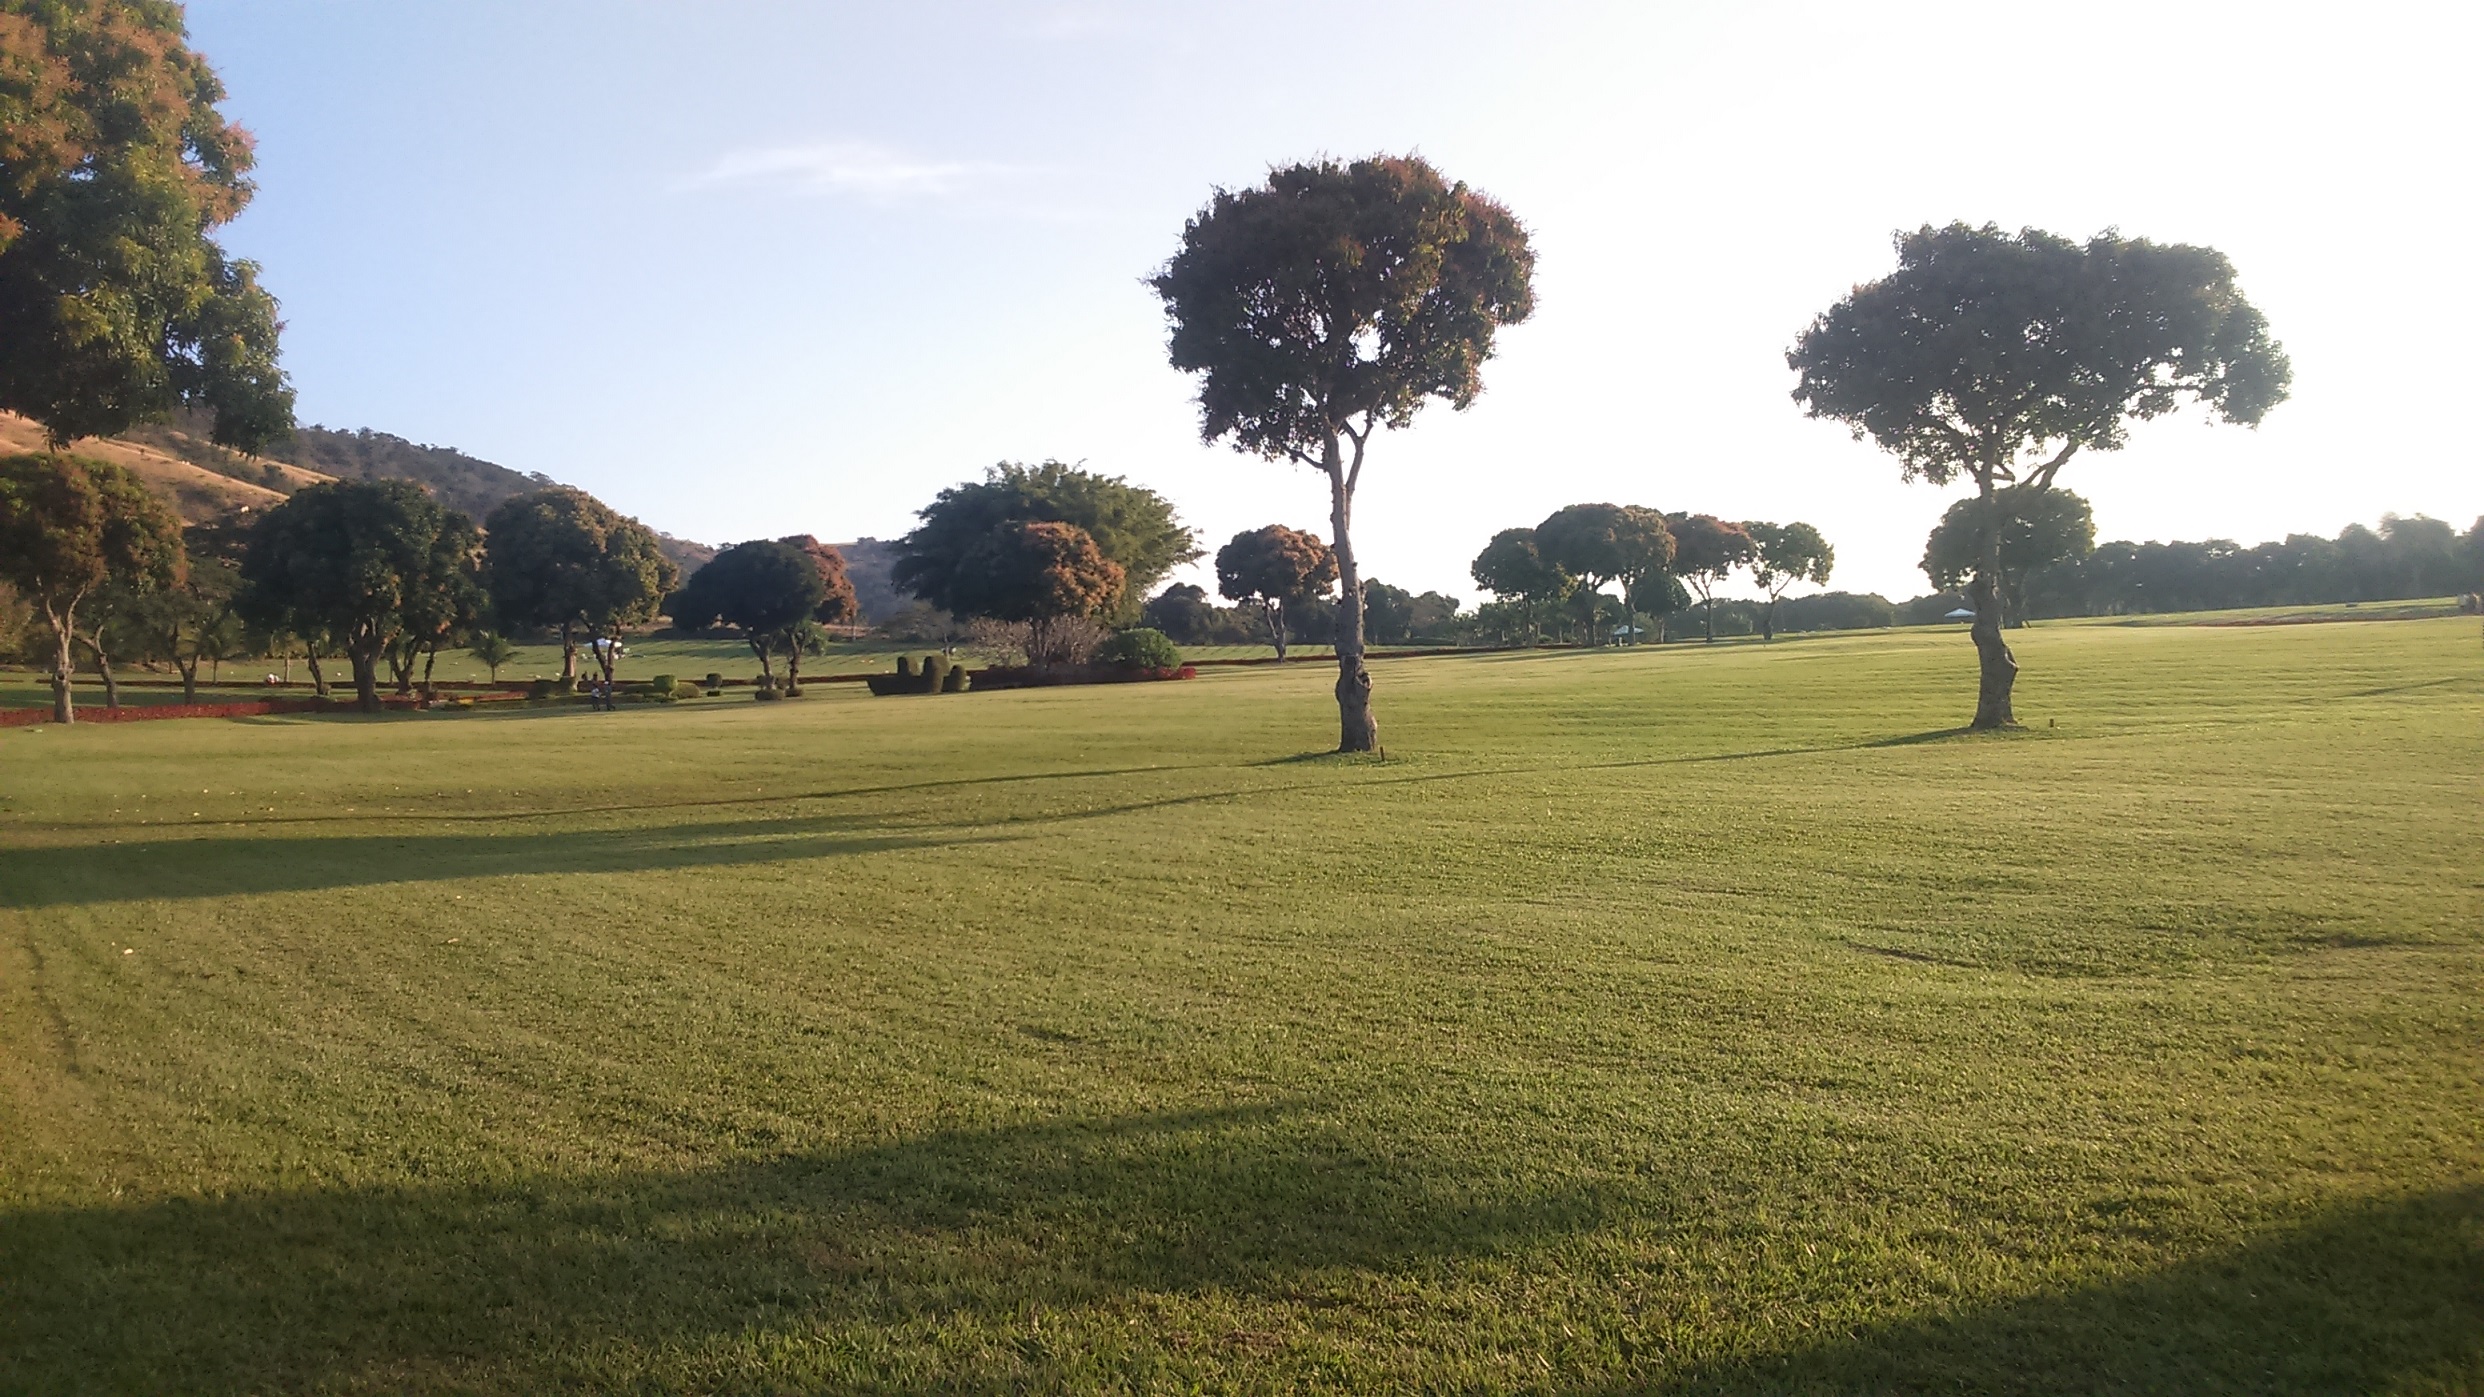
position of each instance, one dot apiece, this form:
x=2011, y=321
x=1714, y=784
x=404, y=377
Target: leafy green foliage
x=361, y=567
x=1707, y=550
x=1140, y=647
x=764, y=589
x=563, y=560
x=1331, y=302
x=1600, y=543
x=837, y=605
x=1784, y=555
x=1279, y=571
x=491, y=649
x=115, y=167
x=1132, y=526
x=69, y=527
x=2038, y=529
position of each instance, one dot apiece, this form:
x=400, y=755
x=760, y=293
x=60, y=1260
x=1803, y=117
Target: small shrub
x=661, y=685
x=1140, y=648
x=935, y=673
x=765, y=693
x=905, y=666
x=566, y=684
x=956, y=682
x=541, y=689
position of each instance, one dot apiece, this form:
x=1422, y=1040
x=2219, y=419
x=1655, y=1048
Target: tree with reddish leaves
x=1276, y=571
x=1047, y=576
x=837, y=603
x=1706, y=550
x=1331, y=302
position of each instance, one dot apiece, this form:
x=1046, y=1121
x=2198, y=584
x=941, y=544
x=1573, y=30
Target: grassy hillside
x=194, y=492
x=1699, y=1020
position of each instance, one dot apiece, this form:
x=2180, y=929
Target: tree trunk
x=431, y=656
x=64, y=666
x=103, y=670
x=319, y=678
x=1357, y=730
x=1996, y=668
x=366, y=678
x=1277, y=628
x=569, y=653
x=1707, y=613
x=189, y=677
x=1768, y=621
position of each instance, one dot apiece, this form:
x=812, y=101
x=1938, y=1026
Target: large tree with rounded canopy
x=359, y=563
x=1513, y=568
x=766, y=589
x=2036, y=529
x=1785, y=555
x=1331, y=302
x=1998, y=357
x=1275, y=570
x=566, y=561
x=69, y=527
x=1603, y=543
x=1131, y=525
x=116, y=304
x=1045, y=575
x=1706, y=552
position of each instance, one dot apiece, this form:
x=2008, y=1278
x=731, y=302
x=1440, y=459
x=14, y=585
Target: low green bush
x=935, y=673
x=1140, y=647
x=905, y=666
x=765, y=693
x=956, y=682
x=541, y=689
x=661, y=684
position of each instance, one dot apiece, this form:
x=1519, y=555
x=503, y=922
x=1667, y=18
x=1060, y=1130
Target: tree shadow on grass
x=2379, y=1297
x=222, y=867
x=524, y=1285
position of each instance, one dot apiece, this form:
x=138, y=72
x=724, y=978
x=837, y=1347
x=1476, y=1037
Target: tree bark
x=189, y=678
x=64, y=667
x=1357, y=730
x=103, y=670
x=1997, y=669
x=319, y=678
x=1768, y=621
x=569, y=652
x=366, y=678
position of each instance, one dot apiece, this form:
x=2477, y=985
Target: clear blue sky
x=750, y=269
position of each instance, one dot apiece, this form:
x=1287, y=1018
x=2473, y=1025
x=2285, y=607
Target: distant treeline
x=2404, y=558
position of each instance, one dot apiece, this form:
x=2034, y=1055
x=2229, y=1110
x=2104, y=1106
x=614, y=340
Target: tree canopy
x=762, y=589
x=1276, y=570
x=837, y=603
x=1786, y=554
x=1328, y=303
x=1603, y=543
x=116, y=304
x=1135, y=528
x=2000, y=356
x=1706, y=552
x=69, y=526
x=564, y=560
x=2037, y=528
x=1513, y=567
x=361, y=565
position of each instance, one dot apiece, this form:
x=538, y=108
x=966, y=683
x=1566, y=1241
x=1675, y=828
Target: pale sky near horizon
x=750, y=269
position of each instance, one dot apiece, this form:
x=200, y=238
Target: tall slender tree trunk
x=366, y=677
x=1997, y=668
x=1768, y=620
x=103, y=669
x=569, y=653
x=319, y=678
x=1276, y=627
x=64, y=668
x=1357, y=730
x=189, y=678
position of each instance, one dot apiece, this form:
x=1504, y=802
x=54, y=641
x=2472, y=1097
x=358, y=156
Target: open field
x=1683, y=1019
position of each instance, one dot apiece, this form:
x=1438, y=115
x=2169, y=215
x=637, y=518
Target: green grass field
x=1679, y=1020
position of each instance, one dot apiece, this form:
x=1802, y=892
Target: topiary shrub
x=661, y=686
x=1140, y=647
x=765, y=693
x=956, y=682
x=566, y=684
x=935, y=673
x=715, y=682
x=540, y=689
x=905, y=666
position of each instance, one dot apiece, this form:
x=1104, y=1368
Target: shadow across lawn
x=532, y=1283
x=2385, y=1296
x=212, y=866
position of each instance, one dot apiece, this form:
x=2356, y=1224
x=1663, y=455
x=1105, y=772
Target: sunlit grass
x=1687, y=1018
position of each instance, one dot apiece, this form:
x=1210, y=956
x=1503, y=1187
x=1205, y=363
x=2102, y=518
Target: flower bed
x=248, y=708
x=1046, y=676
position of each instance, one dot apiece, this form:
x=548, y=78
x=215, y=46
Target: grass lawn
x=1686, y=1019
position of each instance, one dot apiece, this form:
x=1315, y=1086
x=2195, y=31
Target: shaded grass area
x=1699, y=1020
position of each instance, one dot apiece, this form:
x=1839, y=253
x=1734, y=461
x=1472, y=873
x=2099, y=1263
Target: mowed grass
x=1684, y=1019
